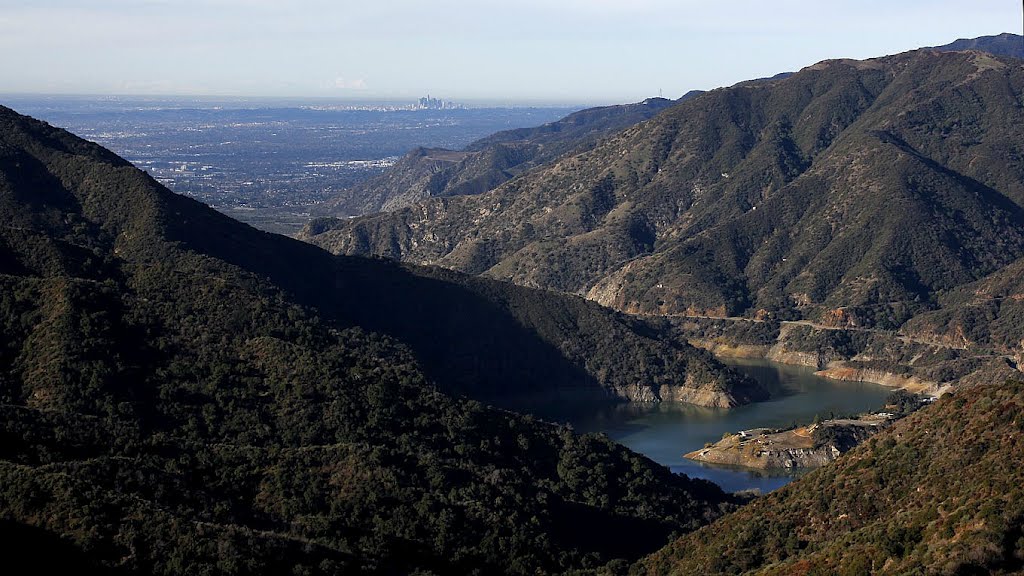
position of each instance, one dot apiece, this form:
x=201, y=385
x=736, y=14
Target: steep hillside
x=988, y=313
x=488, y=162
x=473, y=336
x=777, y=195
x=850, y=194
x=183, y=394
x=938, y=493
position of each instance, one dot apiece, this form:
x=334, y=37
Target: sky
x=578, y=51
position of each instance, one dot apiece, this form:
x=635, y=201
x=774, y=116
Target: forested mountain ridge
x=489, y=162
x=852, y=193
x=181, y=393
x=457, y=326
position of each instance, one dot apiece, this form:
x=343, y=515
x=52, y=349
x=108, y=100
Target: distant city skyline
x=579, y=51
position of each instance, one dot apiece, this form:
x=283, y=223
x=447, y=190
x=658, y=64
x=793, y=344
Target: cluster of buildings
x=429, y=103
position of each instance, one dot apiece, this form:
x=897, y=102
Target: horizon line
x=478, y=101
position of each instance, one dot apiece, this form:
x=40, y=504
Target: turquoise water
x=664, y=432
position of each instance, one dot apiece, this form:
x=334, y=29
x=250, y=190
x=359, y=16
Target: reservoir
x=664, y=432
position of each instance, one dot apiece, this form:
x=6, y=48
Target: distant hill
x=852, y=194
x=582, y=126
x=1004, y=44
x=182, y=394
x=488, y=162
x=938, y=493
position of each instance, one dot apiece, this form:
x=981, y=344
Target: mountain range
x=852, y=194
x=182, y=393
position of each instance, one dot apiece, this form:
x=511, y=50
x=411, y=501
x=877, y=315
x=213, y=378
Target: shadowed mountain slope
x=459, y=328
x=181, y=393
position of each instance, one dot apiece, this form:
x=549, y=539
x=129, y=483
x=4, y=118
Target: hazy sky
x=584, y=51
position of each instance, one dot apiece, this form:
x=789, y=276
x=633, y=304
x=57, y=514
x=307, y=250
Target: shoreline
x=801, y=447
x=834, y=369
